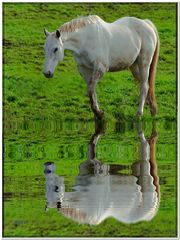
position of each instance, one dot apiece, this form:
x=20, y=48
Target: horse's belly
x=118, y=66
x=122, y=57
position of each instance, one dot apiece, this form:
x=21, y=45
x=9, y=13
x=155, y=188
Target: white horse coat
x=99, y=47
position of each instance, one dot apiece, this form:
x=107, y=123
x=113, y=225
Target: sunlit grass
x=26, y=91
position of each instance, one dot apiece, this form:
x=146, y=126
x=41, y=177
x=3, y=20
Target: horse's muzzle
x=48, y=74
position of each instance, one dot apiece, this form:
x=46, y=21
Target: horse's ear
x=46, y=32
x=58, y=34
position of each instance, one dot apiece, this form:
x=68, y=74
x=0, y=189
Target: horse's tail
x=153, y=171
x=152, y=73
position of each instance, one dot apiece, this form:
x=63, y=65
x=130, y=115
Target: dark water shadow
x=105, y=190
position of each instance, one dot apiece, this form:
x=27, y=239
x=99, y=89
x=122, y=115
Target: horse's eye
x=55, y=50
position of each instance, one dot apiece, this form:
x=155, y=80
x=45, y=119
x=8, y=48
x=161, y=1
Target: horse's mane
x=77, y=23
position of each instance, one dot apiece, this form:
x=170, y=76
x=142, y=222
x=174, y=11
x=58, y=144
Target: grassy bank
x=28, y=94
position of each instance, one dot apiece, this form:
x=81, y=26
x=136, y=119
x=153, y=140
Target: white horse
x=99, y=47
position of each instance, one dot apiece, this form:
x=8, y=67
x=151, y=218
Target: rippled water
x=72, y=179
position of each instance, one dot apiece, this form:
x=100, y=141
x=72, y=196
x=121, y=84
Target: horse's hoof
x=100, y=114
x=138, y=114
x=154, y=134
x=153, y=111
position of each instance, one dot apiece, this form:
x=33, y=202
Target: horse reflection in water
x=102, y=191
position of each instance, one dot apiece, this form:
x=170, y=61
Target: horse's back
x=130, y=22
x=128, y=36
x=124, y=45
x=143, y=27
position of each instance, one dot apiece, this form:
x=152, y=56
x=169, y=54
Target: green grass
x=28, y=94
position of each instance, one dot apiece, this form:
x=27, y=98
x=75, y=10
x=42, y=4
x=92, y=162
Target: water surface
x=69, y=179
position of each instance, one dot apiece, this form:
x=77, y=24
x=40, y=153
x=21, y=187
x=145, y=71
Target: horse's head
x=54, y=187
x=54, y=52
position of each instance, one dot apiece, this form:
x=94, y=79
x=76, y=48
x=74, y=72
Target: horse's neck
x=75, y=40
x=72, y=42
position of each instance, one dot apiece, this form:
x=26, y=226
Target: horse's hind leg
x=136, y=74
x=135, y=71
x=144, y=65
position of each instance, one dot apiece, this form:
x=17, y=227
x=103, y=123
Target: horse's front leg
x=91, y=91
x=94, y=104
x=93, y=101
x=91, y=77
